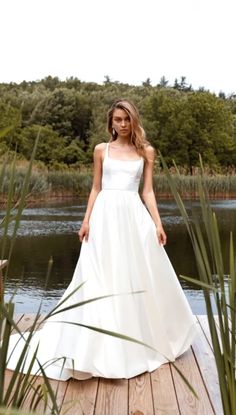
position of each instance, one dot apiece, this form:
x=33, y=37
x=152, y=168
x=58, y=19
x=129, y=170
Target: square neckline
x=107, y=155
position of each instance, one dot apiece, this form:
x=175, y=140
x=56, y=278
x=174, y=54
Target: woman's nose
x=123, y=122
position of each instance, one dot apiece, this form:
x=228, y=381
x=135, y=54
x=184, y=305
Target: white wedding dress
x=121, y=256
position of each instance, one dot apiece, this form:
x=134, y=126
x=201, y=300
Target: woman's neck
x=122, y=141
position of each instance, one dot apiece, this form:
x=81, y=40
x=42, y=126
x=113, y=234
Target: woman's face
x=121, y=123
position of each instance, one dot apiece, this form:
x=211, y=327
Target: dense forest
x=71, y=117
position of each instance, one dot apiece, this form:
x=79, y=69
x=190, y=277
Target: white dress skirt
x=122, y=256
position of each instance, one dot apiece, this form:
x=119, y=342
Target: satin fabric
x=121, y=256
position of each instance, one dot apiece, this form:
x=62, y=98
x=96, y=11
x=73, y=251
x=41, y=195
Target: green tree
x=50, y=146
x=10, y=117
x=50, y=82
x=183, y=125
x=147, y=83
x=73, y=154
x=212, y=130
x=68, y=112
x=163, y=82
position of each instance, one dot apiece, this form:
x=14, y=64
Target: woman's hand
x=84, y=231
x=161, y=236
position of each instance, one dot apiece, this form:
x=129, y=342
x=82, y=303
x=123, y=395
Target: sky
x=128, y=40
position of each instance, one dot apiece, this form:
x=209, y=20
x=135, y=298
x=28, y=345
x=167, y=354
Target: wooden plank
x=26, y=321
x=203, y=321
x=140, y=395
x=63, y=396
x=80, y=397
x=112, y=397
x=188, y=404
x=161, y=392
x=206, y=363
x=164, y=396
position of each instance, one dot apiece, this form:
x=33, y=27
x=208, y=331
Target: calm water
x=50, y=232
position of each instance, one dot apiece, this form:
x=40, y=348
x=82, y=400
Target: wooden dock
x=161, y=392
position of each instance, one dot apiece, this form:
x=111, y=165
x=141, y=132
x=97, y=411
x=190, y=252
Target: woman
x=129, y=137
x=122, y=257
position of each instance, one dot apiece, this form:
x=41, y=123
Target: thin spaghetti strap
x=106, y=151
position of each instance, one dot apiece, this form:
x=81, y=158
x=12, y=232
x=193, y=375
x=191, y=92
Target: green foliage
x=50, y=145
x=70, y=181
x=73, y=153
x=10, y=119
x=67, y=111
x=182, y=126
x=179, y=122
x=37, y=182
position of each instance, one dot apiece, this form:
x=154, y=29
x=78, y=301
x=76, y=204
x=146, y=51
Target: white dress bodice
x=121, y=174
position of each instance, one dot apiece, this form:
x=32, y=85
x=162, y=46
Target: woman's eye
x=119, y=120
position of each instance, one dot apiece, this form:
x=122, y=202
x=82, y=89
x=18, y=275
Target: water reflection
x=50, y=232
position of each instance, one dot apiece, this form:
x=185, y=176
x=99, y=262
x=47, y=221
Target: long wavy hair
x=138, y=136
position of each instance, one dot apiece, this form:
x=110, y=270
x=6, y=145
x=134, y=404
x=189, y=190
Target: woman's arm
x=148, y=194
x=96, y=187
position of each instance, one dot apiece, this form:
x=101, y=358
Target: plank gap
x=174, y=386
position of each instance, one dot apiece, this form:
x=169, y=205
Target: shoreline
x=56, y=186
x=53, y=197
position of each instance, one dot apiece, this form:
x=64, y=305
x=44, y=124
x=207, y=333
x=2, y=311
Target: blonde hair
x=138, y=136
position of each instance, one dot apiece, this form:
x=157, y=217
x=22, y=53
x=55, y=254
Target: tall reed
x=218, y=186
x=19, y=387
x=213, y=278
x=45, y=183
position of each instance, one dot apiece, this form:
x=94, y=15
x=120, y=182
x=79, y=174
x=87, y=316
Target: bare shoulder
x=99, y=149
x=150, y=152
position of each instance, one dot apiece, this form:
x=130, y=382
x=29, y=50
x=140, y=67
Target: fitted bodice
x=121, y=174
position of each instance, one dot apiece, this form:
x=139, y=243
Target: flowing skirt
x=123, y=257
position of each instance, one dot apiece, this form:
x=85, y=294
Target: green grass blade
x=185, y=380
x=4, y=350
x=58, y=310
x=6, y=130
x=111, y=333
x=199, y=283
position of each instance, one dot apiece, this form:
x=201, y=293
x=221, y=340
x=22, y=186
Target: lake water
x=49, y=231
